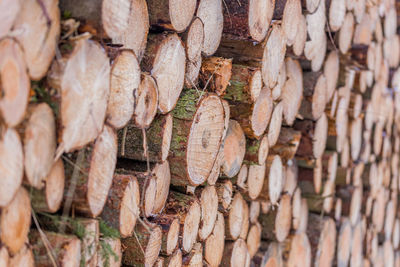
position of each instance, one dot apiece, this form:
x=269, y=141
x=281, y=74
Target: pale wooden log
x=11, y=165
x=256, y=150
x=337, y=12
x=292, y=15
x=254, y=239
x=214, y=244
x=344, y=243
x=211, y=13
x=234, y=218
x=331, y=73
x=273, y=56
x=195, y=257
x=199, y=124
x=171, y=15
x=125, y=23
x=169, y=224
x=15, y=221
x=315, y=95
x=301, y=36
x=236, y=254
x=215, y=73
x=300, y=250
x=67, y=249
x=234, y=148
x=50, y=200
x=193, y=39
x=315, y=47
x=363, y=31
x=322, y=234
x=192, y=72
x=255, y=180
x=356, y=257
x=187, y=208
x=123, y=204
x=346, y=33
x=174, y=260
x=291, y=177
x=246, y=221
x=81, y=88
x=275, y=124
x=273, y=184
x=4, y=256
x=248, y=19
x=124, y=83
x=38, y=27
x=15, y=82
x=8, y=18
x=91, y=171
x=209, y=208
x=39, y=137
x=292, y=91
x=276, y=223
x=254, y=211
x=162, y=52
x=142, y=248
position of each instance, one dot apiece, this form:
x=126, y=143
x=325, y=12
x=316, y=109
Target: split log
x=187, y=208
x=90, y=171
x=215, y=74
x=81, y=88
x=158, y=139
x=66, y=249
x=276, y=223
x=125, y=23
x=15, y=85
x=15, y=221
x=11, y=165
x=211, y=13
x=162, y=52
x=196, y=137
x=169, y=224
x=214, y=244
x=171, y=15
x=209, y=208
x=123, y=204
x=39, y=138
x=38, y=25
x=248, y=19
x=50, y=200
x=234, y=148
x=124, y=84
x=143, y=247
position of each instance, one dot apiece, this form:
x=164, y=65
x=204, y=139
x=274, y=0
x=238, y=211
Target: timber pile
x=199, y=132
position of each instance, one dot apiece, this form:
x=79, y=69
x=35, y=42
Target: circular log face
x=300, y=252
x=195, y=39
x=260, y=15
x=262, y=112
x=181, y=13
x=55, y=186
x=205, y=139
x=191, y=227
x=234, y=149
x=129, y=208
x=210, y=12
x=146, y=102
x=153, y=246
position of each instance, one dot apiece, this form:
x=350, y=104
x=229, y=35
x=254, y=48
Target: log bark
x=287, y=144
x=215, y=73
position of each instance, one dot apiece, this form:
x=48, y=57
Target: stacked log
x=192, y=133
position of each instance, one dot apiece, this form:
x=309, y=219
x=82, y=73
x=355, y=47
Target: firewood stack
x=199, y=133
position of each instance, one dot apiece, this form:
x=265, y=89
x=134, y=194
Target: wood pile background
x=199, y=133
